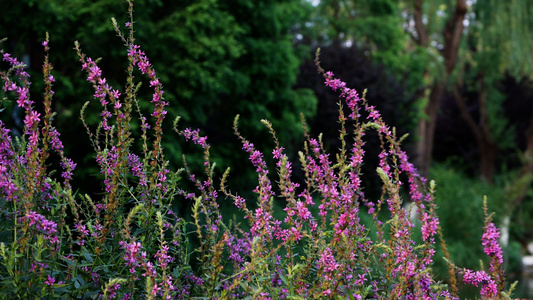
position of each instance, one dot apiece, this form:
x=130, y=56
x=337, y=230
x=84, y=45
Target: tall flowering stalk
x=492, y=283
x=138, y=187
x=34, y=160
x=33, y=204
x=114, y=156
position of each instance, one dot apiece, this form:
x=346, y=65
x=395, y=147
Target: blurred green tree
x=497, y=44
x=463, y=52
x=443, y=47
x=378, y=29
x=215, y=58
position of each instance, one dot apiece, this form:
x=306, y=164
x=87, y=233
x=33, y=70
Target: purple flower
x=163, y=258
x=47, y=227
x=374, y=114
x=194, y=135
x=489, y=288
x=82, y=229
x=50, y=280
x=430, y=225
x=328, y=264
x=490, y=243
x=31, y=119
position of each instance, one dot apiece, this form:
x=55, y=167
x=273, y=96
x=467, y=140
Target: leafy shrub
x=458, y=199
x=329, y=241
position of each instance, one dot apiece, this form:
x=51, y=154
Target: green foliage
x=197, y=44
x=458, y=198
x=521, y=221
x=378, y=27
x=501, y=35
x=216, y=58
x=375, y=24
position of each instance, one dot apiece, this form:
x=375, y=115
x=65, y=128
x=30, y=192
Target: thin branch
x=452, y=34
x=483, y=110
x=423, y=38
x=464, y=112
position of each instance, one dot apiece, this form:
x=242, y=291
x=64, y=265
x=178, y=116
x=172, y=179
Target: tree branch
x=464, y=112
x=452, y=35
x=483, y=109
x=423, y=39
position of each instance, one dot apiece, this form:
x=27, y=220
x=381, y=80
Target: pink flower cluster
x=46, y=227
x=323, y=253
x=491, y=246
x=137, y=169
x=139, y=58
x=493, y=283
x=132, y=255
x=194, y=135
x=328, y=265
x=101, y=90
x=108, y=161
x=7, y=182
x=32, y=118
x=263, y=223
x=489, y=288
x=408, y=265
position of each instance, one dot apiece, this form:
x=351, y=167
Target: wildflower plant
x=333, y=241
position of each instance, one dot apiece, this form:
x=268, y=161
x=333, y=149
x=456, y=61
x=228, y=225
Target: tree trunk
x=523, y=181
x=487, y=156
x=452, y=34
x=487, y=147
x=518, y=189
x=426, y=129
